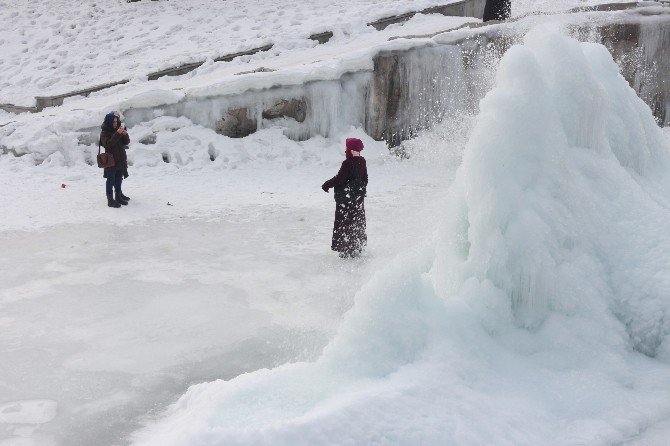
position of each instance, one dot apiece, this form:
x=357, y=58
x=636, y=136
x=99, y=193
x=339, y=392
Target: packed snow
x=514, y=289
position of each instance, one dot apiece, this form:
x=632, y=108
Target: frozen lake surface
x=111, y=316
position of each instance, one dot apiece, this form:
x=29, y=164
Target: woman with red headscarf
x=349, y=236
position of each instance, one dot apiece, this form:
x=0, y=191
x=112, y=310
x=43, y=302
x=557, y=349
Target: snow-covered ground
x=108, y=316
x=517, y=265
x=52, y=47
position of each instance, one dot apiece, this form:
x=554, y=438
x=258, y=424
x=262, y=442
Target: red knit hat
x=354, y=144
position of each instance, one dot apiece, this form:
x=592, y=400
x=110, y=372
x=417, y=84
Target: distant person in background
x=497, y=10
x=114, y=138
x=349, y=237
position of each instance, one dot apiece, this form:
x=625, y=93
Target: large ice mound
x=538, y=314
x=565, y=192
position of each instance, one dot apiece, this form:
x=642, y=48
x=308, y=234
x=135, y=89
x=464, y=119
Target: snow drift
x=538, y=314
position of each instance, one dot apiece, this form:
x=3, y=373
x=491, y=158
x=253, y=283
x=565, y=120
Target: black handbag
x=105, y=160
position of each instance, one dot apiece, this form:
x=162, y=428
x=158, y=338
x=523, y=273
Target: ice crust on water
x=28, y=412
x=538, y=314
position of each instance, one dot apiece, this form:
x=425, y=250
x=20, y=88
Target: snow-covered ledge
x=390, y=87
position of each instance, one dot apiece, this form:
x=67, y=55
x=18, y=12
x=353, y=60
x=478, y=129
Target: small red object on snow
x=63, y=185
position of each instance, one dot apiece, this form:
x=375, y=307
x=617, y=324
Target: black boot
x=120, y=200
x=120, y=194
x=112, y=203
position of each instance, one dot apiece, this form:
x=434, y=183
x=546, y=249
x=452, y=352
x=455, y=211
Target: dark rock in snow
x=149, y=139
x=236, y=123
x=295, y=108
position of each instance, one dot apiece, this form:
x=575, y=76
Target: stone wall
x=642, y=50
x=413, y=90
x=405, y=97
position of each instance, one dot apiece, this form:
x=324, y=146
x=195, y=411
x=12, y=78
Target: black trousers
x=114, y=179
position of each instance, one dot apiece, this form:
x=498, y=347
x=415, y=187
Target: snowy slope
x=50, y=47
x=67, y=128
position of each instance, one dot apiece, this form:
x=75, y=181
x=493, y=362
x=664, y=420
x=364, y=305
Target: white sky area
x=516, y=273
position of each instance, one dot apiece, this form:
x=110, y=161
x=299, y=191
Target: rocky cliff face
x=412, y=90
x=642, y=50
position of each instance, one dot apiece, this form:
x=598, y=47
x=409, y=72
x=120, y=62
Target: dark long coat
x=115, y=144
x=349, y=235
x=497, y=10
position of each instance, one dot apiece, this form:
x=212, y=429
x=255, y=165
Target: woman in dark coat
x=114, y=138
x=349, y=236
